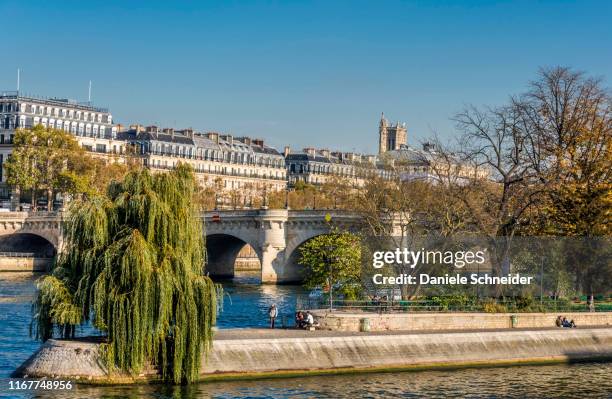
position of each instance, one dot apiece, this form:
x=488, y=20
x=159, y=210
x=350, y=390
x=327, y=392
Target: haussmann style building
x=220, y=161
x=92, y=126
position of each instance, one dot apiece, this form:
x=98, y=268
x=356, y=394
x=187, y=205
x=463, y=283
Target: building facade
x=430, y=165
x=220, y=161
x=316, y=166
x=391, y=136
x=92, y=126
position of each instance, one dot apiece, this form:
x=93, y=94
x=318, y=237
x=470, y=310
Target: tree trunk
x=33, y=199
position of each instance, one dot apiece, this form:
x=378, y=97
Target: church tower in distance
x=390, y=137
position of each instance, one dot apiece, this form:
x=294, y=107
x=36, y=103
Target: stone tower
x=390, y=137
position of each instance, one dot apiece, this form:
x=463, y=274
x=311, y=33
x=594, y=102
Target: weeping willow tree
x=133, y=266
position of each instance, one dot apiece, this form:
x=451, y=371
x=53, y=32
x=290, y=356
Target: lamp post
x=287, y=196
x=330, y=279
x=542, y=280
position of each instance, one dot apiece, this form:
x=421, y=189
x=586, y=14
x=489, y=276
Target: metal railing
x=23, y=255
x=489, y=305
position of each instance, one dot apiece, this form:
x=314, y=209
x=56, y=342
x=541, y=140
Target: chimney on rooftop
x=137, y=127
x=287, y=150
x=258, y=142
x=429, y=147
x=324, y=152
x=213, y=136
x=310, y=151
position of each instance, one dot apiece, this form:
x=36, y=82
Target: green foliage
x=22, y=166
x=523, y=303
x=134, y=264
x=491, y=306
x=52, y=160
x=453, y=302
x=40, y=156
x=335, y=258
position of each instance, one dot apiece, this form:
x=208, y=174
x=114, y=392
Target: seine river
x=245, y=305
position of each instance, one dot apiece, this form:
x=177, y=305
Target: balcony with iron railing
x=231, y=161
x=57, y=102
x=224, y=173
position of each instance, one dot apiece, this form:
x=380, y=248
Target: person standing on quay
x=272, y=312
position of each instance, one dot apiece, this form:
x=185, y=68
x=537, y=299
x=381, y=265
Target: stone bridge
x=274, y=234
x=43, y=224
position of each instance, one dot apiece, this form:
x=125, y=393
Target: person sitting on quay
x=309, y=319
x=299, y=320
x=568, y=324
x=559, y=321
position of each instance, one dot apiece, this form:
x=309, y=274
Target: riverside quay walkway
x=259, y=353
x=274, y=234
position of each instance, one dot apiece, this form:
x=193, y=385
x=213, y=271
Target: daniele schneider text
x=459, y=259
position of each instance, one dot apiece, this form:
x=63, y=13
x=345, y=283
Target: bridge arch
x=294, y=270
x=20, y=242
x=300, y=238
x=222, y=250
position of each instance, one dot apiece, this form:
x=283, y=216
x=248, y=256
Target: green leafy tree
x=134, y=264
x=40, y=159
x=333, y=258
x=21, y=167
x=52, y=160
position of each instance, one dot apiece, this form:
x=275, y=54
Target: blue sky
x=301, y=73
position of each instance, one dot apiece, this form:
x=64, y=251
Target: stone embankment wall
x=24, y=264
x=338, y=321
x=341, y=353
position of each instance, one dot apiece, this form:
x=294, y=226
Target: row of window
x=336, y=170
x=76, y=128
x=316, y=168
x=216, y=169
x=115, y=149
x=57, y=112
x=213, y=155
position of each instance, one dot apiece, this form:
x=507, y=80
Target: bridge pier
x=273, y=245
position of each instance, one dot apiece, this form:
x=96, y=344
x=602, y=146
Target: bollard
x=364, y=325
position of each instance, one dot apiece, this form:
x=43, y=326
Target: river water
x=245, y=305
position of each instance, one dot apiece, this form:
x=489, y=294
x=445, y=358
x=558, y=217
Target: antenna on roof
x=18, y=78
x=89, y=94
